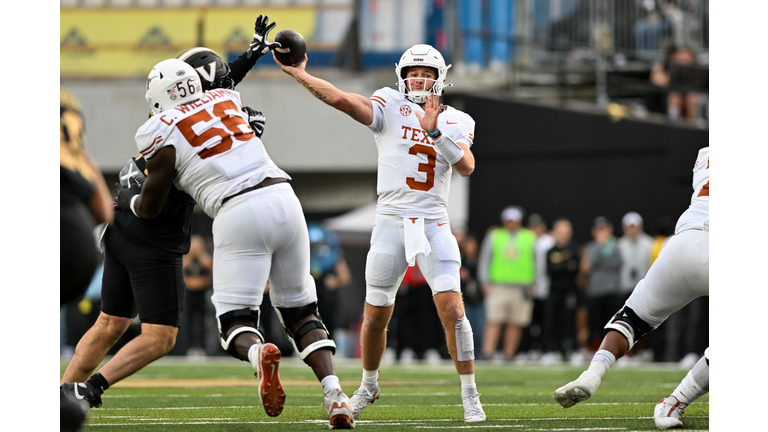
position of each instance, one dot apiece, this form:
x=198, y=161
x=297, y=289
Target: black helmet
x=213, y=72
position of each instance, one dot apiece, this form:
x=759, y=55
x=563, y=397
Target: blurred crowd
x=530, y=292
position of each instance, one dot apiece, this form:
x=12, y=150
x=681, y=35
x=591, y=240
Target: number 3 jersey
x=217, y=153
x=413, y=176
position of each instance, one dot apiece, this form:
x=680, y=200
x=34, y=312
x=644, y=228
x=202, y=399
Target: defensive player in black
x=143, y=257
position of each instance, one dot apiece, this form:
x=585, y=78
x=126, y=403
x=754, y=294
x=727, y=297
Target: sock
x=370, y=378
x=468, y=386
x=98, y=382
x=330, y=383
x=602, y=361
x=695, y=384
x=251, y=352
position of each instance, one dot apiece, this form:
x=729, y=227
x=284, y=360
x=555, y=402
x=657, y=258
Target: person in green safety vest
x=507, y=273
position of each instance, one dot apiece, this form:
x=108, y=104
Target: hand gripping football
x=293, y=47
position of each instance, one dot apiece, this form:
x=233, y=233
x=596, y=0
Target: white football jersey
x=413, y=176
x=698, y=212
x=217, y=153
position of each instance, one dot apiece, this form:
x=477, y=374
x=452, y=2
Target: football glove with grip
x=256, y=119
x=260, y=45
x=125, y=195
x=132, y=170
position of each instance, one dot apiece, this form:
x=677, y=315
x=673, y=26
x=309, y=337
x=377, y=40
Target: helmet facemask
x=427, y=56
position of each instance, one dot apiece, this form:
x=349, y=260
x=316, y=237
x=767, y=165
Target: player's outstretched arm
x=356, y=106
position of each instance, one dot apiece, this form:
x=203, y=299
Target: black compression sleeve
x=240, y=66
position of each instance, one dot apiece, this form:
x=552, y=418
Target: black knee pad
x=245, y=317
x=637, y=327
x=289, y=317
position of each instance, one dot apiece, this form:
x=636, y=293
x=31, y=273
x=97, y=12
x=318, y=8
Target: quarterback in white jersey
x=203, y=143
x=420, y=142
x=678, y=276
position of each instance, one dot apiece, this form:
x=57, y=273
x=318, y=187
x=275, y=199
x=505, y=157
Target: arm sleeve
x=240, y=66
x=379, y=102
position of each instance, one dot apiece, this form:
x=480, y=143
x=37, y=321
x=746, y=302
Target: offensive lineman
x=418, y=141
x=143, y=258
x=202, y=143
x=678, y=276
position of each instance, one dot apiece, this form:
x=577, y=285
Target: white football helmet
x=421, y=55
x=172, y=83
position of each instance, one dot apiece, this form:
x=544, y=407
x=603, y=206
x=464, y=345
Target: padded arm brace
x=449, y=149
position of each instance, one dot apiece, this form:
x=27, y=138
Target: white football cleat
x=361, y=398
x=339, y=413
x=265, y=363
x=473, y=409
x=577, y=391
x=667, y=413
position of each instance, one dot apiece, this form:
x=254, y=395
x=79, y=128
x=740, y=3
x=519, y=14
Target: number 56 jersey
x=413, y=176
x=217, y=153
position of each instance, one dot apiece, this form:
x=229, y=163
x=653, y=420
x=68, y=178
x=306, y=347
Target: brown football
x=293, y=47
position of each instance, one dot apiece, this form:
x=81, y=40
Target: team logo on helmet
x=405, y=110
x=180, y=73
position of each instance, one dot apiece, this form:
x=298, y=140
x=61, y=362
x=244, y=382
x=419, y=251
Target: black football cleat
x=83, y=391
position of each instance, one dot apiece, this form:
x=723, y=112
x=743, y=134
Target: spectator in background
x=544, y=242
x=417, y=325
x=471, y=291
x=635, y=247
x=198, y=276
x=562, y=263
x=330, y=271
x=507, y=273
x=84, y=201
x=601, y=263
x=649, y=28
x=679, y=86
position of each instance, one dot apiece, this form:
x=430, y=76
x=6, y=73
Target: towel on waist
x=415, y=239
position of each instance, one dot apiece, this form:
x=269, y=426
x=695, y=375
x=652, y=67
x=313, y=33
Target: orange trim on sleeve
x=378, y=99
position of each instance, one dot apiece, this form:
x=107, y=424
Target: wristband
x=451, y=151
x=434, y=133
x=133, y=202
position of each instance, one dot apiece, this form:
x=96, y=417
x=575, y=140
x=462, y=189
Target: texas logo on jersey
x=413, y=177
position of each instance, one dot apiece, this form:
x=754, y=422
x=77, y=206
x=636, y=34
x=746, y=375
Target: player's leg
x=678, y=276
x=155, y=284
x=94, y=345
x=441, y=270
x=384, y=270
x=294, y=297
x=668, y=412
x=242, y=260
x=155, y=341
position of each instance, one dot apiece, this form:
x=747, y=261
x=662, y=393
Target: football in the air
x=293, y=47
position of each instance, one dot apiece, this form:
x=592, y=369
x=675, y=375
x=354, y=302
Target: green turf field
x=220, y=395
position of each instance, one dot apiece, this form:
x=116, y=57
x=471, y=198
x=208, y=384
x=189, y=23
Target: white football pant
x=261, y=236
